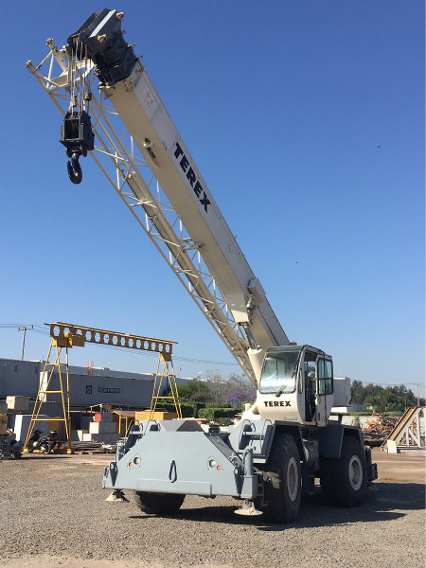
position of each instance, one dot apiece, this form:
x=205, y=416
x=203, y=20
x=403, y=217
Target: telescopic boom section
x=125, y=82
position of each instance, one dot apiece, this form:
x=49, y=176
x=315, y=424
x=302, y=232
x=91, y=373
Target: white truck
x=286, y=440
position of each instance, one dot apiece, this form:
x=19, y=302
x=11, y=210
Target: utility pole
x=24, y=328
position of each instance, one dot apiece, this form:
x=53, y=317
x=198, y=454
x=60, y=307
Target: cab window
x=325, y=376
x=279, y=372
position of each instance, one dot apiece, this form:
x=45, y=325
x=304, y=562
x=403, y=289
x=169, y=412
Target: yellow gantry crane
x=54, y=379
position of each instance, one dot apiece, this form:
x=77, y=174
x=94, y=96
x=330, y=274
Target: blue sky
x=306, y=119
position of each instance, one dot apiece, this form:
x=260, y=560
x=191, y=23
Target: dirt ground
x=53, y=514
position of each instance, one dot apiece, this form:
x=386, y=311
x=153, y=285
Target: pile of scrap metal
x=44, y=442
x=376, y=431
x=9, y=447
x=93, y=447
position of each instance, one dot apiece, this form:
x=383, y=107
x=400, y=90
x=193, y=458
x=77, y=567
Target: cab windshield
x=279, y=372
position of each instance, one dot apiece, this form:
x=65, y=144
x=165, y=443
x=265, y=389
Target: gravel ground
x=53, y=513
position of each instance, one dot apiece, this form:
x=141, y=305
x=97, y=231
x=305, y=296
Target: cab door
x=324, y=389
x=317, y=398
x=309, y=374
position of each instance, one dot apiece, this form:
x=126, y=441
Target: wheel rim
x=356, y=474
x=292, y=479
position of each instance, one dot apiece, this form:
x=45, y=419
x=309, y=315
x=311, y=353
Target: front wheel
x=159, y=503
x=345, y=481
x=283, y=481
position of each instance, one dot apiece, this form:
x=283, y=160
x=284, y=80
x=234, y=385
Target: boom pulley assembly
x=104, y=47
x=76, y=132
x=78, y=138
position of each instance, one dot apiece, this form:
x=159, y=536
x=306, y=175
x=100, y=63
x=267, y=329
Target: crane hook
x=75, y=172
x=78, y=138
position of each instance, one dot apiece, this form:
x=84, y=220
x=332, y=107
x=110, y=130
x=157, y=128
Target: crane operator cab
x=296, y=384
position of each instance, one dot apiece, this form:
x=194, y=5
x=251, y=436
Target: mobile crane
x=286, y=439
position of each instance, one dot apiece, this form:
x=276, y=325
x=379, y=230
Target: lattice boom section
x=61, y=330
x=135, y=183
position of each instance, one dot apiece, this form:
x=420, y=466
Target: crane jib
x=198, y=189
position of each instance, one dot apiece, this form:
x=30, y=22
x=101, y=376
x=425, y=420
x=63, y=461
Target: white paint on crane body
x=147, y=120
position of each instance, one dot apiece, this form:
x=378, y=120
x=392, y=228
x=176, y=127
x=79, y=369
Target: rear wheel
x=345, y=481
x=159, y=503
x=283, y=486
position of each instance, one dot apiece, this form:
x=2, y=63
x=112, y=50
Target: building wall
x=87, y=386
x=18, y=377
x=94, y=389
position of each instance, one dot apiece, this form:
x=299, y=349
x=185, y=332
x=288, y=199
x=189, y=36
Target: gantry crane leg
x=54, y=370
x=165, y=373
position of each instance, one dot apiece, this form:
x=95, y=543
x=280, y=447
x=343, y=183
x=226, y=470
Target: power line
x=17, y=325
x=20, y=327
x=41, y=330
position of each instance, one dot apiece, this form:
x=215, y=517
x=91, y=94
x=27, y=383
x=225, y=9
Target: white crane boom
x=147, y=120
x=187, y=227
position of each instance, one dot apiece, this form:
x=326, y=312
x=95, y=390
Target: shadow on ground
x=387, y=501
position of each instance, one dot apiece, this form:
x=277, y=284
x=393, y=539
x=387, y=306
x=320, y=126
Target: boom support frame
x=129, y=175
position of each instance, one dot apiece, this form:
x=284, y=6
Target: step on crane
x=286, y=439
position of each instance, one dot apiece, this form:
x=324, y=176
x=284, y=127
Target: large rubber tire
x=283, y=481
x=345, y=481
x=159, y=503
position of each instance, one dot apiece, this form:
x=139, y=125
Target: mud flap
x=372, y=473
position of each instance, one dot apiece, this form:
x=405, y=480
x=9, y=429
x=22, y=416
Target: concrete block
x=18, y=403
x=79, y=434
x=103, y=428
x=106, y=438
x=22, y=422
x=391, y=447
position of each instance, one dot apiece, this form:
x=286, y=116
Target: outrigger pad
x=117, y=495
x=248, y=510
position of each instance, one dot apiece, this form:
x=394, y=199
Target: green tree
x=195, y=391
x=358, y=392
x=383, y=399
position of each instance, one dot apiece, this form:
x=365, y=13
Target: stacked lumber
x=376, y=433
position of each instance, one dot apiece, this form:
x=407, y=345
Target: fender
x=331, y=439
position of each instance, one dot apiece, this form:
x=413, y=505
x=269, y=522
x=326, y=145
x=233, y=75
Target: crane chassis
x=287, y=438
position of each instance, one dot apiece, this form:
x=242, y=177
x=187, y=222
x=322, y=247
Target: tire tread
x=159, y=503
x=334, y=479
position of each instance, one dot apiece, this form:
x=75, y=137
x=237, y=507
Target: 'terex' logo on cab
x=191, y=177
